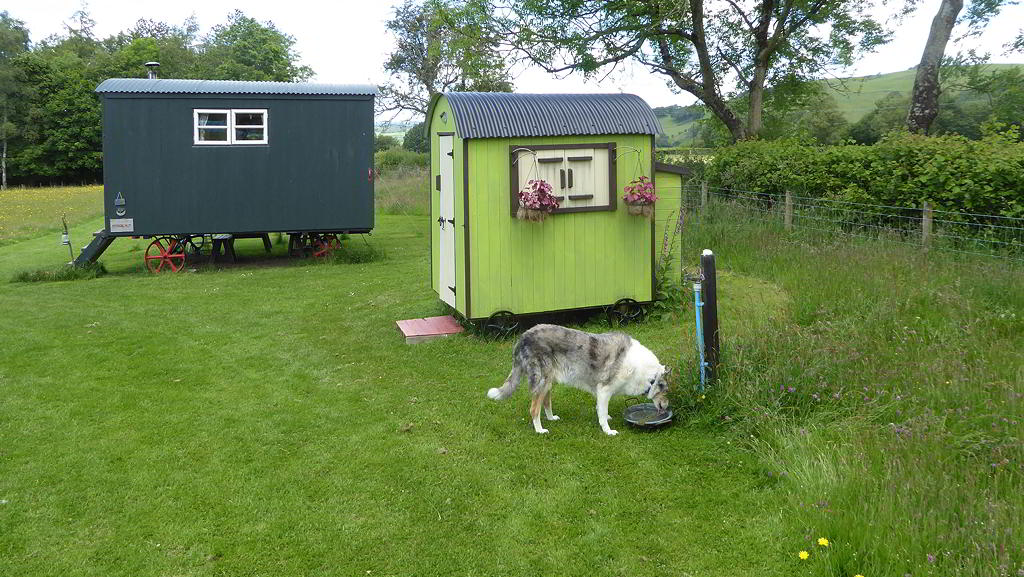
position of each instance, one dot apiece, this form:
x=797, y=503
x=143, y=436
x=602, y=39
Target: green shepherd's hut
x=590, y=252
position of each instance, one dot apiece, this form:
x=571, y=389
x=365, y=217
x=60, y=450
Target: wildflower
x=931, y=558
x=792, y=389
x=858, y=575
x=823, y=542
x=804, y=555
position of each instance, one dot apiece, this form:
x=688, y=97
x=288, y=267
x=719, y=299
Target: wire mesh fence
x=922, y=226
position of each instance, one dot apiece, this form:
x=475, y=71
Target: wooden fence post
x=703, y=195
x=926, y=224
x=788, y=215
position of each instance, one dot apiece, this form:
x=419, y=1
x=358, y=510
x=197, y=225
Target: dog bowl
x=646, y=415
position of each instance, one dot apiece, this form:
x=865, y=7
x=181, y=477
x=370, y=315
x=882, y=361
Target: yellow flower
x=804, y=555
x=858, y=575
x=823, y=542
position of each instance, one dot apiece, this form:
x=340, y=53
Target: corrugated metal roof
x=182, y=86
x=503, y=114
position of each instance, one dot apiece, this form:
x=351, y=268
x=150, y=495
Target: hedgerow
x=951, y=172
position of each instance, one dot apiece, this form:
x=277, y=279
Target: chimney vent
x=151, y=69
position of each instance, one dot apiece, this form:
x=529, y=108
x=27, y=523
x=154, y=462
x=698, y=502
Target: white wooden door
x=446, y=222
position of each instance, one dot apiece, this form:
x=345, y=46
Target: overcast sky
x=345, y=41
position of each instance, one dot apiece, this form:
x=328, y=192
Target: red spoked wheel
x=325, y=244
x=165, y=253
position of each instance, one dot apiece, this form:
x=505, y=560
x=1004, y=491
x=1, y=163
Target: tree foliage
x=13, y=43
x=415, y=140
x=714, y=50
x=244, y=49
x=57, y=136
x=441, y=45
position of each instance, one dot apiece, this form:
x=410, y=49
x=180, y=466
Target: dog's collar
x=647, y=390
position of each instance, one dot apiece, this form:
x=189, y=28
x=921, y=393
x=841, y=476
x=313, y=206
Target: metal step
x=100, y=241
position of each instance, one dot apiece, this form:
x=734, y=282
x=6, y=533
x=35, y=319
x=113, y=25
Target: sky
x=346, y=41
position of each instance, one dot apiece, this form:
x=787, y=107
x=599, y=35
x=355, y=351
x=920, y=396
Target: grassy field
x=28, y=212
x=266, y=419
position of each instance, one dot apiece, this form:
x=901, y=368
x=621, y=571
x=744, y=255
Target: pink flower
x=639, y=191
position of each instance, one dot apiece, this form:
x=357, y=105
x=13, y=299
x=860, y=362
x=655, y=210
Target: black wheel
x=501, y=324
x=624, y=312
x=194, y=244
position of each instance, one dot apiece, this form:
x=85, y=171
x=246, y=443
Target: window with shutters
x=582, y=176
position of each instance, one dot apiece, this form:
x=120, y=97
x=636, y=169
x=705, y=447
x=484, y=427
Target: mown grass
x=269, y=420
x=27, y=212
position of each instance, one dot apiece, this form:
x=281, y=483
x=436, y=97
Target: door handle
x=570, y=178
x=451, y=221
x=561, y=177
x=440, y=222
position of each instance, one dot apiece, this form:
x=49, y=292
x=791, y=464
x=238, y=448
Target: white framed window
x=249, y=126
x=235, y=126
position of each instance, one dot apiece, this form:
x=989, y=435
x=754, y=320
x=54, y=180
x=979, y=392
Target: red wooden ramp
x=419, y=330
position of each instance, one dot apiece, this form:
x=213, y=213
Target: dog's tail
x=509, y=387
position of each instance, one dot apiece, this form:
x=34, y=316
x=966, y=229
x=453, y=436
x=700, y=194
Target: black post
x=709, y=312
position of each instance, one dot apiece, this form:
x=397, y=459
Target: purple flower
x=792, y=389
x=931, y=558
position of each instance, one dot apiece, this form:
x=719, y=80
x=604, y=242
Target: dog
x=603, y=364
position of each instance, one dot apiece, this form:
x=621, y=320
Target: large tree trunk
x=924, y=102
x=756, y=93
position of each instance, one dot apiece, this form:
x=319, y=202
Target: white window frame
x=264, y=126
x=230, y=127
x=195, y=127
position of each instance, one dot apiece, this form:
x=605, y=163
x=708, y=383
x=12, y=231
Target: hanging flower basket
x=536, y=201
x=640, y=197
x=644, y=210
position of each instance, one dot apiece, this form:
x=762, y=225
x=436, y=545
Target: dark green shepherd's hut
x=184, y=158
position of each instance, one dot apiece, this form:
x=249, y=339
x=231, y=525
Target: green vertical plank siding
x=668, y=187
x=571, y=260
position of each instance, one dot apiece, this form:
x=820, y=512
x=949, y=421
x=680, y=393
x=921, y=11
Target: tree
x=711, y=49
x=148, y=40
x=384, y=142
x=415, y=140
x=245, y=49
x=924, y=99
x=13, y=43
x=815, y=115
x=441, y=45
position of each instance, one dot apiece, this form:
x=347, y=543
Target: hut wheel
x=165, y=253
x=194, y=243
x=501, y=324
x=325, y=245
x=624, y=312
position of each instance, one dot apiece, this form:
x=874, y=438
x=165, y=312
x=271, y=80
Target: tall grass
x=886, y=400
x=28, y=212
x=403, y=190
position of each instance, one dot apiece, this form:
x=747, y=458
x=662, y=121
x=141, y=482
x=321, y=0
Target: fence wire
x=961, y=232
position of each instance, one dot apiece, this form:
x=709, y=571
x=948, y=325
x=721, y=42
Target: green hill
x=855, y=97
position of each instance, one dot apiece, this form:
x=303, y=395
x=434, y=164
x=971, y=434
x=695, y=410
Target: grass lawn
x=268, y=420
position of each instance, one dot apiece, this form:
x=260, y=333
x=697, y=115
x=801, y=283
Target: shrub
x=953, y=173
x=392, y=158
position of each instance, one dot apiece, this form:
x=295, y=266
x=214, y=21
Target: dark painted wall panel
x=312, y=175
